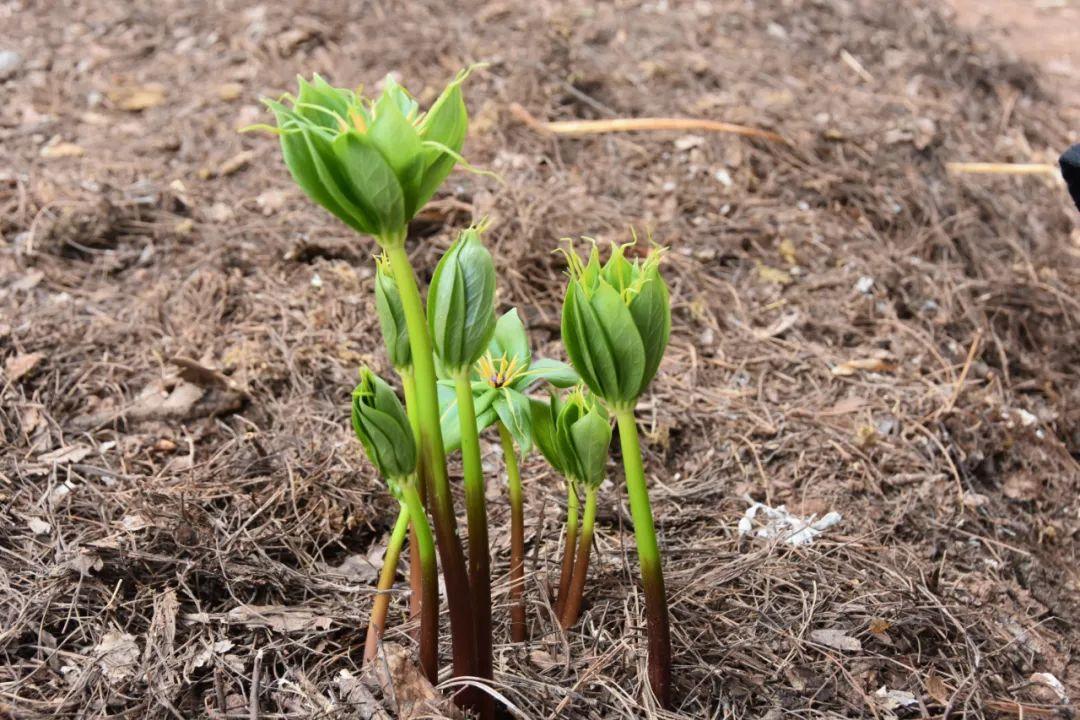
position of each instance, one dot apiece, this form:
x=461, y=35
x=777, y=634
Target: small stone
x=9, y=63
x=865, y=285
x=776, y=30
x=688, y=142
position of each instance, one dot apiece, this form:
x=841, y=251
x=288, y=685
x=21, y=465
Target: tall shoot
x=461, y=317
x=374, y=163
x=616, y=321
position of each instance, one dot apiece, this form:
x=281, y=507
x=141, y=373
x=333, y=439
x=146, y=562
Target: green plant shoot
x=461, y=317
x=383, y=428
x=582, y=438
x=501, y=379
x=373, y=163
x=616, y=322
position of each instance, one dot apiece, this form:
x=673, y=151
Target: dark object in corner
x=1070, y=170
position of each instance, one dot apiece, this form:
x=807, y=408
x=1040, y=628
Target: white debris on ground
x=894, y=699
x=779, y=523
x=1048, y=679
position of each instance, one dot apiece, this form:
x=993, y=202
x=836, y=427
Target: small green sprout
x=380, y=423
x=383, y=428
x=575, y=435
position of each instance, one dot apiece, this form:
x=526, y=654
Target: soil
x=189, y=530
x=1043, y=32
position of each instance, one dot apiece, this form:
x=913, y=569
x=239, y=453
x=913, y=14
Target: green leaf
x=374, y=185
x=445, y=123
x=396, y=138
x=575, y=337
x=449, y=418
x=406, y=104
x=336, y=183
x=651, y=310
x=543, y=432
x=570, y=413
x=298, y=158
x=594, y=351
x=334, y=103
x=618, y=271
x=591, y=436
x=391, y=317
x=461, y=302
x=515, y=413
x=618, y=328
x=510, y=339
x=445, y=300
x=555, y=372
x=478, y=269
x=382, y=426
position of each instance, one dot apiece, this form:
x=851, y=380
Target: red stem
x=572, y=608
x=567, y=571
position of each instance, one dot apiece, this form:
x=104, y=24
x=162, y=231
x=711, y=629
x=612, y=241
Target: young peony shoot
x=373, y=163
x=616, y=322
x=575, y=436
x=381, y=425
x=500, y=380
x=461, y=318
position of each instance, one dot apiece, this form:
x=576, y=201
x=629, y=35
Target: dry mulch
x=188, y=529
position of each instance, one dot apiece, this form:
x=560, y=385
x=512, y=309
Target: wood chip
x=236, y=163
x=851, y=367
x=17, y=366
x=137, y=98
x=837, y=639
x=62, y=150
x=66, y=455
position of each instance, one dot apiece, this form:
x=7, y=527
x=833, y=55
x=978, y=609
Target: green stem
x=408, y=385
x=379, y=607
x=518, y=631
x=429, y=619
x=433, y=461
x=569, y=547
x=652, y=576
x=581, y=565
x=476, y=515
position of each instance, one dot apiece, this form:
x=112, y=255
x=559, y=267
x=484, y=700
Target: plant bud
x=583, y=434
x=573, y=435
x=461, y=302
x=616, y=322
x=382, y=426
x=372, y=163
x=391, y=316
